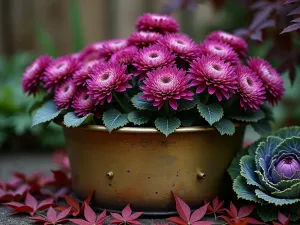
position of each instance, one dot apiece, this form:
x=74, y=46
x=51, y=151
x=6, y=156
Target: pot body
x=141, y=166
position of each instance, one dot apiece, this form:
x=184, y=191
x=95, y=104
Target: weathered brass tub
x=141, y=166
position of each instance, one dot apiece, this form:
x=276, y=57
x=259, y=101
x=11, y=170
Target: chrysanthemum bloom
x=167, y=84
x=83, y=103
x=82, y=74
x=106, y=79
x=271, y=79
x=124, y=56
x=153, y=57
x=59, y=70
x=250, y=88
x=64, y=94
x=144, y=38
x=157, y=23
x=112, y=46
x=34, y=74
x=181, y=45
x=214, y=74
x=236, y=42
x=92, y=52
x=219, y=49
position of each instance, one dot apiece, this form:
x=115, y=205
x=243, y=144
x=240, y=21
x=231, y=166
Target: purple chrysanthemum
x=153, y=57
x=250, y=88
x=83, y=103
x=181, y=45
x=214, y=74
x=106, y=79
x=92, y=52
x=64, y=94
x=288, y=166
x=157, y=23
x=219, y=49
x=167, y=84
x=144, y=38
x=271, y=79
x=82, y=74
x=59, y=70
x=236, y=42
x=34, y=74
x=112, y=46
x=124, y=56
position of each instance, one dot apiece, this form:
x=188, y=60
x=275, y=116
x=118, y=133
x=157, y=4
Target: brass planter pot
x=141, y=166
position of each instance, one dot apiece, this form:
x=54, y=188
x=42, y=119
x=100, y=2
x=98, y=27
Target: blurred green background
x=55, y=27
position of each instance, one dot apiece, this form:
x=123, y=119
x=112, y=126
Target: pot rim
x=191, y=129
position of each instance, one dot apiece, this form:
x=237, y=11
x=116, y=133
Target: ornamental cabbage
x=268, y=173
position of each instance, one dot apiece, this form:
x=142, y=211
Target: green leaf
x=187, y=105
x=140, y=103
x=288, y=132
x=235, y=169
x=248, y=116
x=225, y=126
x=46, y=113
x=243, y=190
x=46, y=41
x=167, y=125
x=292, y=192
x=21, y=123
x=248, y=168
x=211, y=113
x=139, y=117
x=114, y=119
x=77, y=33
x=262, y=127
x=288, y=145
x=267, y=212
x=276, y=201
x=71, y=120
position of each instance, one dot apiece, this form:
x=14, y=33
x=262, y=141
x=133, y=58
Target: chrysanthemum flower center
x=216, y=67
x=226, y=36
x=66, y=89
x=105, y=76
x=166, y=79
x=249, y=81
x=86, y=97
x=60, y=66
x=153, y=55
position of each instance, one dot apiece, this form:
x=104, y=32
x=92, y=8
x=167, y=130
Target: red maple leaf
x=283, y=220
x=186, y=218
x=61, y=159
x=91, y=217
x=17, y=195
x=215, y=207
x=76, y=209
x=52, y=218
x=21, y=178
x=127, y=217
x=240, y=215
x=61, y=193
x=31, y=205
x=60, y=179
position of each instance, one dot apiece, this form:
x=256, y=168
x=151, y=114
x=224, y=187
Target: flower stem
x=124, y=108
x=166, y=108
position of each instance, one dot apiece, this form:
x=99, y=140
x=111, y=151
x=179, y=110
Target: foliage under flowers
x=268, y=173
x=157, y=77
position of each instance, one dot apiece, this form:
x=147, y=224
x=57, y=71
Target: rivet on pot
x=201, y=175
x=110, y=174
